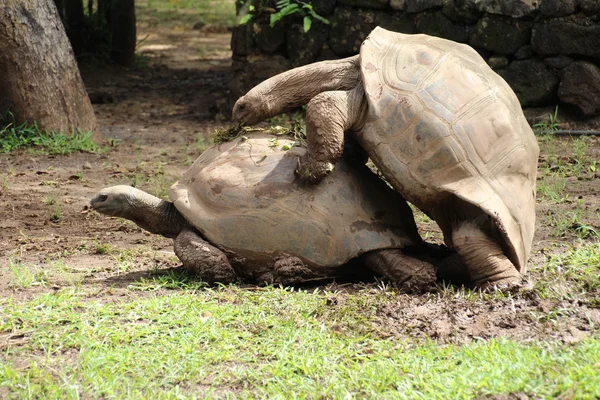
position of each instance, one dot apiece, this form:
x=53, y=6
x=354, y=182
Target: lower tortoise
x=240, y=213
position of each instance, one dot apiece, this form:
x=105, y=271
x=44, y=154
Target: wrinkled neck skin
x=157, y=216
x=298, y=86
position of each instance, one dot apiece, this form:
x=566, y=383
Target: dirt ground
x=152, y=118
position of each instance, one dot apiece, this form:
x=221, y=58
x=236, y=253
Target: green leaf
x=274, y=18
x=307, y=23
x=318, y=17
x=287, y=10
x=245, y=19
x=285, y=147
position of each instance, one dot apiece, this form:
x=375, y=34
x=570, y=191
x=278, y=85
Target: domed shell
x=441, y=123
x=243, y=196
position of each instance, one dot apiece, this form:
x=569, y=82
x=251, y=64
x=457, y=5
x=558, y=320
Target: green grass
x=551, y=125
x=272, y=343
x=36, y=140
x=573, y=274
x=24, y=276
x=177, y=12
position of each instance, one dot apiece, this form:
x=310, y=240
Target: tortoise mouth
x=100, y=204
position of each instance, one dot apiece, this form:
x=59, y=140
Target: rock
x=533, y=83
x=436, y=24
x=558, y=62
x=415, y=6
x=349, y=27
x=498, y=62
x=241, y=40
x=459, y=15
x=398, y=4
x=254, y=72
x=376, y=4
x=326, y=54
x=500, y=35
x=397, y=22
x=524, y=52
x=590, y=7
x=580, y=86
x=511, y=8
x=565, y=37
x=267, y=38
x=87, y=165
x=324, y=7
x=558, y=8
x=304, y=47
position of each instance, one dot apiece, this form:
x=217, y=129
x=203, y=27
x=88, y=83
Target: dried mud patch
x=460, y=321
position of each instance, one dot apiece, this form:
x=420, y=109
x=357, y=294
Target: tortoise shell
x=243, y=196
x=443, y=126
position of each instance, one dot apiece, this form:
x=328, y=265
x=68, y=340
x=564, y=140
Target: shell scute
x=404, y=67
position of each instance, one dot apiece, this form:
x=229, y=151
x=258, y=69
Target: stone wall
x=547, y=50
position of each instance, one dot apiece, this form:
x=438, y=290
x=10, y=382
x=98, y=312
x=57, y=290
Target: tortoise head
x=116, y=201
x=251, y=108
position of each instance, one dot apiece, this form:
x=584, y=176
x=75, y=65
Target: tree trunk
x=122, y=22
x=39, y=78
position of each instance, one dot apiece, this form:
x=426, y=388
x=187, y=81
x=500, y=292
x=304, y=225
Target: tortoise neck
x=298, y=86
x=158, y=216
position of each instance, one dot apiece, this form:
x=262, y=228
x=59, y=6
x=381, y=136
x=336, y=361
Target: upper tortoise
x=444, y=129
x=239, y=212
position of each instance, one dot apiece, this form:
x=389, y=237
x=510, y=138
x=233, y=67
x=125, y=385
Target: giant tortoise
x=239, y=213
x=444, y=129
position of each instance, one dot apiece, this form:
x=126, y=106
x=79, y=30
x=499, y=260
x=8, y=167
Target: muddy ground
x=156, y=120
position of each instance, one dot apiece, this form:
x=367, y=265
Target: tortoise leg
x=328, y=116
x=291, y=271
x=209, y=263
x=409, y=273
x=487, y=264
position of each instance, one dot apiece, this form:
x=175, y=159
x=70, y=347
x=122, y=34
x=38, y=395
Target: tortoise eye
x=103, y=197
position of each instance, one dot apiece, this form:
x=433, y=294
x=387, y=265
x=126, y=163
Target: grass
x=36, y=140
x=572, y=274
x=548, y=126
x=187, y=12
x=272, y=343
x=23, y=276
x=56, y=213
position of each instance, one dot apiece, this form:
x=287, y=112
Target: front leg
x=328, y=116
x=198, y=256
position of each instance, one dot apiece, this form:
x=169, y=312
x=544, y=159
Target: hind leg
x=409, y=273
x=209, y=263
x=487, y=264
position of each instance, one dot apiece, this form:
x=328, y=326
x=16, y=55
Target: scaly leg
x=209, y=263
x=487, y=264
x=409, y=273
x=328, y=116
